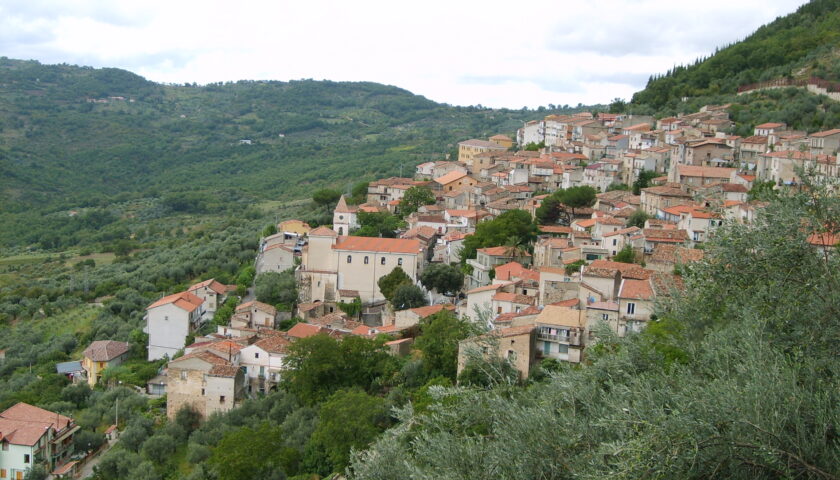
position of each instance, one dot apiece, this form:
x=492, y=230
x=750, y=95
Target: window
x=615, y=241
x=399, y=261
x=605, y=316
x=382, y=261
x=498, y=309
x=546, y=348
x=256, y=354
x=202, y=392
x=349, y=259
x=341, y=217
x=631, y=308
x=166, y=318
x=5, y=446
x=2, y=473
x=367, y=260
x=25, y=458
x=511, y=355
x=562, y=348
x=183, y=374
x=221, y=399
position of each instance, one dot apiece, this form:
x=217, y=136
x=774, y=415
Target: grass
x=99, y=258
x=76, y=321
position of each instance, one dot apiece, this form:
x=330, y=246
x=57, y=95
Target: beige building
x=514, y=344
x=212, y=292
x=103, y=354
x=331, y=263
x=254, y=314
x=293, y=227
x=204, y=381
x=561, y=333
x=467, y=150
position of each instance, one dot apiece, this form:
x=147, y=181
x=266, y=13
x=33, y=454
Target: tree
x=438, y=341
x=512, y=227
x=358, y=194
x=378, y=224
x=625, y=255
x=279, y=289
x=408, y=296
x=158, y=448
x=762, y=190
x=319, y=365
x=36, y=472
x=326, y=197
x=269, y=230
x=414, y=198
x=352, y=309
x=388, y=284
x=563, y=203
x=348, y=419
x=549, y=211
x=443, y=278
x=247, y=453
x=574, y=267
x=643, y=181
x=638, y=219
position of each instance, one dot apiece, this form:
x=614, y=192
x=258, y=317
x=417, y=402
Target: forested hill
x=76, y=136
x=802, y=44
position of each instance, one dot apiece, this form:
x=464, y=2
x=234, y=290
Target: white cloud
x=466, y=52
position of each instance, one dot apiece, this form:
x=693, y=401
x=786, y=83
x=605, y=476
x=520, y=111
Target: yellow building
x=296, y=227
x=103, y=354
x=502, y=140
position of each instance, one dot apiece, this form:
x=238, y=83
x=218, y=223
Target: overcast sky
x=499, y=54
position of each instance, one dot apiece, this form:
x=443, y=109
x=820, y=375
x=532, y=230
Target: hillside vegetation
x=74, y=137
x=804, y=43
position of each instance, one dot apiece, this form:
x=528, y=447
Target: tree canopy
x=414, y=198
x=514, y=228
x=443, y=278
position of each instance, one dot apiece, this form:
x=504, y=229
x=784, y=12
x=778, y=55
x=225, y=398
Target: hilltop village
x=606, y=262
x=576, y=227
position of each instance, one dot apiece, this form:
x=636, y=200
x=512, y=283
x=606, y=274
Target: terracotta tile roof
x=424, y=312
x=204, y=355
x=561, y=316
x=304, y=330
x=755, y=139
x=770, y=125
x=450, y=177
x=487, y=288
x=623, y=231
x=608, y=268
x=106, y=350
x=273, y=344
x=515, y=269
x=708, y=172
x=663, y=235
x=183, y=300
x=262, y=307
x=223, y=371
x=824, y=239
x=670, y=253
x=514, y=298
x=587, y=223
x=22, y=432
x=348, y=293
x=609, y=221
x=212, y=284
x=571, y=303
x=322, y=232
x=30, y=413
x=667, y=190
x=377, y=245
x=826, y=133
x=635, y=289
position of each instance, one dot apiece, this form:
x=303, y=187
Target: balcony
x=573, y=339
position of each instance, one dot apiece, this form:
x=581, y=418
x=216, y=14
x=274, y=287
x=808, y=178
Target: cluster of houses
x=546, y=302
x=32, y=436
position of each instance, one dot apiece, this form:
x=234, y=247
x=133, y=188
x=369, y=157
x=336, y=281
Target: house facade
x=103, y=354
x=169, y=321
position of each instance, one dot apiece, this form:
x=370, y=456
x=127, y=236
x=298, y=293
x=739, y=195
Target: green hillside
x=804, y=43
x=74, y=137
